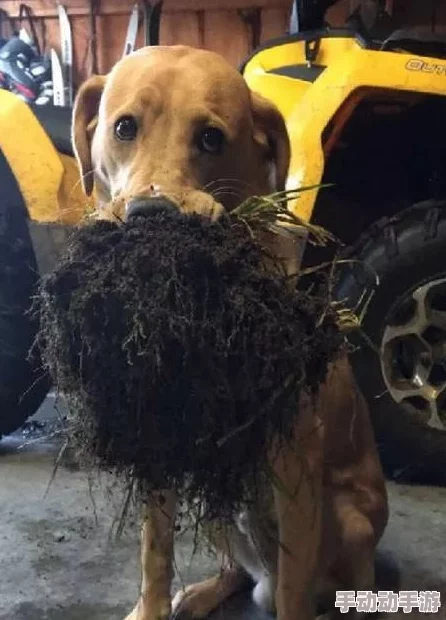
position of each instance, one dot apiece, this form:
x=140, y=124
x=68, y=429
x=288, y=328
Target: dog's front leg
x=298, y=500
x=156, y=558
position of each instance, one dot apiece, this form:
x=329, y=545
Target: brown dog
x=181, y=124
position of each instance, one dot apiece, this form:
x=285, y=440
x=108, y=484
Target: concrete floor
x=59, y=561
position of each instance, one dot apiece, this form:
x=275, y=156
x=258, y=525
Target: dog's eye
x=211, y=140
x=126, y=128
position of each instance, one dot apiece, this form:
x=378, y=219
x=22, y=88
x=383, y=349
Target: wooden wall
x=230, y=27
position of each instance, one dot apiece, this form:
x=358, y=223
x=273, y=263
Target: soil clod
x=179, y=355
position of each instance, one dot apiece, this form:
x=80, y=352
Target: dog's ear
x=270, y=133
x=84, y=124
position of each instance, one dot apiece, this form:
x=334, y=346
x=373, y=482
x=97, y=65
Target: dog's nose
x=142, y=206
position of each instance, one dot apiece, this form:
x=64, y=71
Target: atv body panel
x=41, y=197
x=368, y=118
x=318, y=96
x=48, y=179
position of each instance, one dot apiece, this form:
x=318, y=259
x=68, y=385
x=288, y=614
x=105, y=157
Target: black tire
x=23, y=386
x=406, y=252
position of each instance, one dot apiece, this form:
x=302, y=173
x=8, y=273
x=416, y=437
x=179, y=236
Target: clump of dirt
x=179, y=355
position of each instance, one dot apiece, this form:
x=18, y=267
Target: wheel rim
x=413, y=354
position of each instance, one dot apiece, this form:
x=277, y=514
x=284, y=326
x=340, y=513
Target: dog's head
x=177, y=124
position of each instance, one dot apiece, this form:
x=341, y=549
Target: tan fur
x=169, y=92
x=330, y=508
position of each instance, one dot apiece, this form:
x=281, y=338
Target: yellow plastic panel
x=34, y=160
x=308, y=107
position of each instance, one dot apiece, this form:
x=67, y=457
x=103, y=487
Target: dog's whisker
x=220, y=180
x=228, y=180
x=226, y=192
x=227, y=188
x=81, y=178
x=76, y=185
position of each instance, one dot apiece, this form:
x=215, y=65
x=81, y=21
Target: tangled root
x=179, y=355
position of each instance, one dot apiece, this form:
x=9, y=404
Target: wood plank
x=51, y=37
x=111, y=33
x=181, y=28
x=411, y=14
x=211, y=5
x=252, y=21
x=389, y=6
x=353, y=4
x=81, y=49
x=440, y=17
x=48, y=8
x=338, y=13
x=213, y=24
x=275, y=23
x=226, y=34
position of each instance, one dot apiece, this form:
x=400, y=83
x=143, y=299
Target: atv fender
x=31, y=156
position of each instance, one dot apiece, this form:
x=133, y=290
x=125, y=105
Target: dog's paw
x=133, y=615
x=192, y=603
x=263, y=594
x=159, y=609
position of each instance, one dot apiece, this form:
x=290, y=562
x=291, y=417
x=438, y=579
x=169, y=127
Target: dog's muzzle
x=143, y=206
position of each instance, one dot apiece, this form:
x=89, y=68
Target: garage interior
x=60, y=558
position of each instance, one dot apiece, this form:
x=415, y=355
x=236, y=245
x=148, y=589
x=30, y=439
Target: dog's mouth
x=143, y=206
x=193, y=202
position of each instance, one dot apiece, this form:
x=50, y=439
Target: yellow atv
x=39, y=182
x=365, y=107
x=366, y=111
